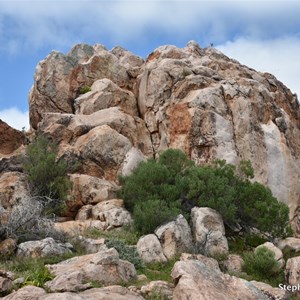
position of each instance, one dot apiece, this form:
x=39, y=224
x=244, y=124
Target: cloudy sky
x=264, y=35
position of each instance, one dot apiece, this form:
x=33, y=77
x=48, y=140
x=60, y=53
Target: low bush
x=262, y=266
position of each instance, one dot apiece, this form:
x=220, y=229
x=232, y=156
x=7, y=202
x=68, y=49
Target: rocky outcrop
x=194, y=99
x=42, y=248
x=195, y=281
x=209, y=231
x=59, y=78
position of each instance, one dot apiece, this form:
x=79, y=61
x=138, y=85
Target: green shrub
x=262, y=265
x=153, y=212
x=158, y=190
x=126, y=252
x=85, y=89
x=47, y=176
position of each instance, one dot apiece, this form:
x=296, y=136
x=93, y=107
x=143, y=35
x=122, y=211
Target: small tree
x=47, y=176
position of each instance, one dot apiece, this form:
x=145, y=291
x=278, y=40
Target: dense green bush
x=47, y=175
x=151, y=213
x=262, y=265
x=158, y=190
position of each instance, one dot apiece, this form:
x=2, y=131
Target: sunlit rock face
x=192, y=98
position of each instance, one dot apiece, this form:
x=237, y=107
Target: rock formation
x=195, y=99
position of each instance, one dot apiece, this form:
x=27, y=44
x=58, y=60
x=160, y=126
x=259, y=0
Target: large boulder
x=104, y=267
x=42, y=248
x=150, y=250
x=175, y=237
x=196, y=281
x=212, y=107
x=209, y=231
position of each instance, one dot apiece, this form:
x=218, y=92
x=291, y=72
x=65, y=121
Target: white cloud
x=279, y=57
x=15, y=118
x=31, y=24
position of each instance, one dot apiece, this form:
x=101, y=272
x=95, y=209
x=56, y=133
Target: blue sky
x=264, y=35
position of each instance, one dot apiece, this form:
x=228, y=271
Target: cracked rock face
x=192, y=98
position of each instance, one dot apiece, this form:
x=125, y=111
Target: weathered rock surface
x=195, y=281
x=277, y=252
x=28, y=292
x=209, y=231
x=175, y=237
x=59, y=77
x=104, y=267
x=150, y=250
x=212, y=107
x=10, y=139
x=13, y=187
x=42, y=248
